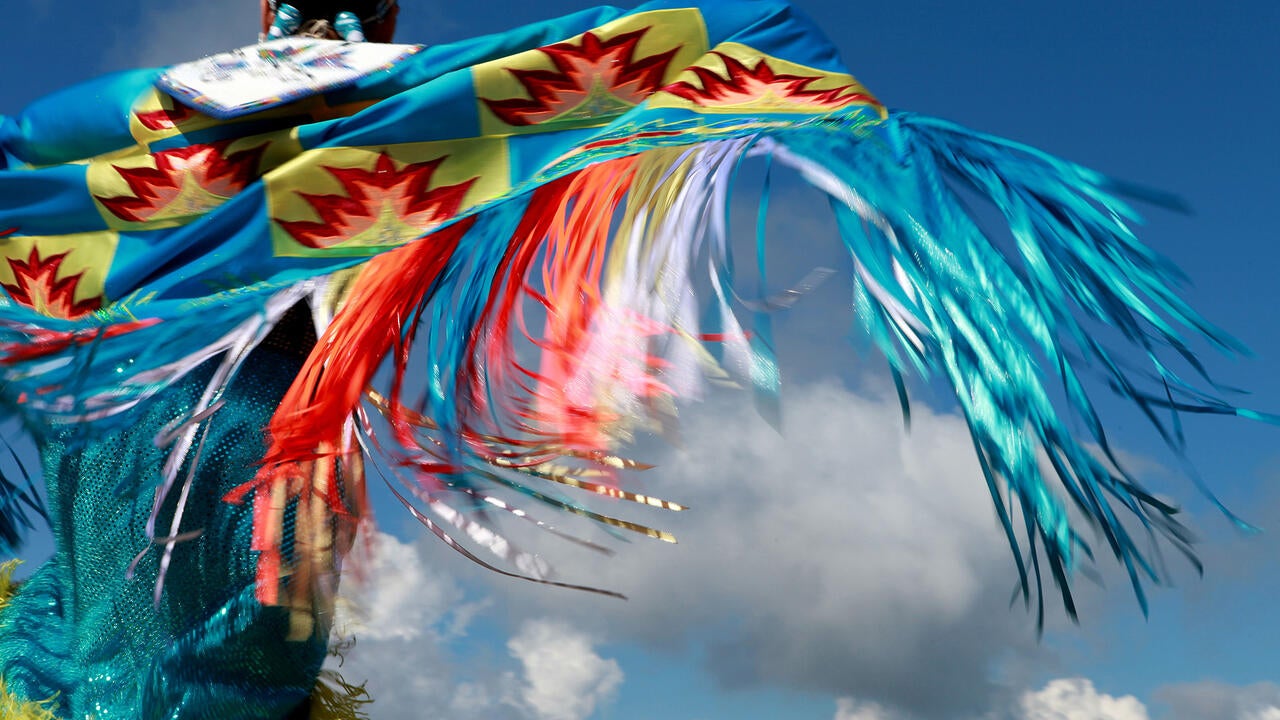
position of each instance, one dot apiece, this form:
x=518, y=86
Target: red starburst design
x=155, y=190
x=372, y=195
x=596, y=77
x=745, y=85
x=164, y=118
x=37, y=286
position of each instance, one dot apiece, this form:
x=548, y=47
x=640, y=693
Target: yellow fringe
x=7, y=586
x=336, y=699
x=11, y=708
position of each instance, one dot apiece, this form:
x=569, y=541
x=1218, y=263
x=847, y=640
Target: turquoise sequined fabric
x=79, y=630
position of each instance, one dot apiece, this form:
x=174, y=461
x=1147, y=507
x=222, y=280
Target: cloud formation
x=1077, y=699
x=407, y=618
x=400, y=597
x=415, y=650
x=564, y=678
x=843, y=558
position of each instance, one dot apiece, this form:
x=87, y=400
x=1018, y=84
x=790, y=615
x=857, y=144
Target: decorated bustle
x=505, y=272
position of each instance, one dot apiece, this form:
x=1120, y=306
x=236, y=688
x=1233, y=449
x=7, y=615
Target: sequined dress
x=208, y=650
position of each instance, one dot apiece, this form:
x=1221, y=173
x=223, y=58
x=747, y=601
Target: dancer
x=519, y=226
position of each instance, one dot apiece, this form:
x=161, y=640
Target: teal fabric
x=1006, y=322
x=173, y=283
x=174, y=271
x=77, y=629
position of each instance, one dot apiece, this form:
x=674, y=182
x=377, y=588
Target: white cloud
x=1076, y=699
x=394, y=595
x=850, y=709
x=844, y=558
x=404, y=617
x=564, y=677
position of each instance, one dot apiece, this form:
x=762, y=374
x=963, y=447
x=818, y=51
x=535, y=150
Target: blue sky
x=848, y=570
